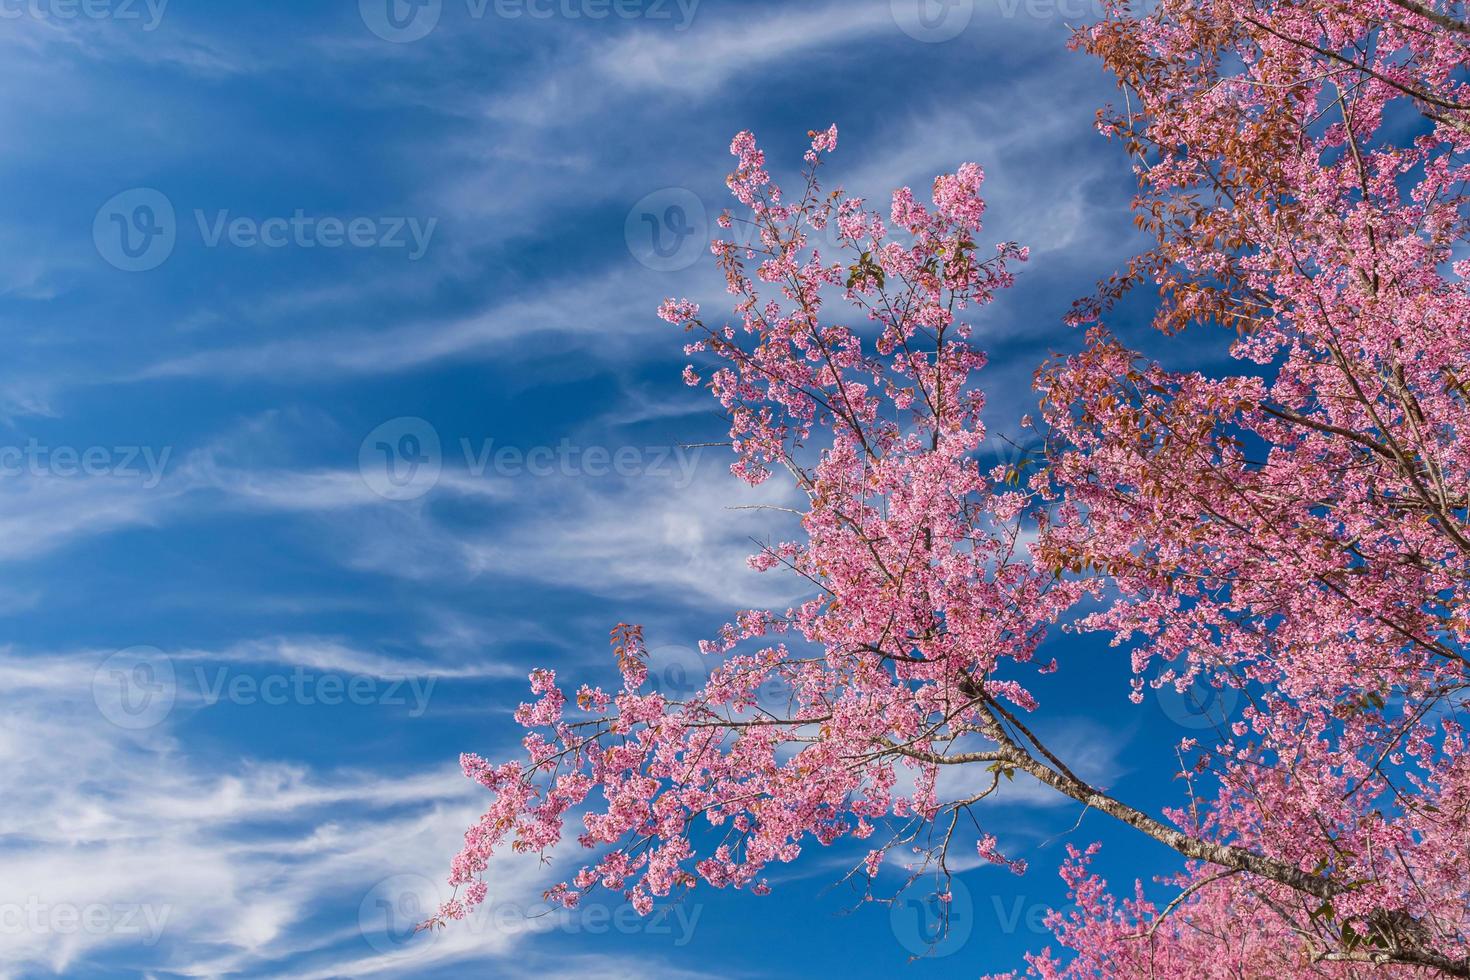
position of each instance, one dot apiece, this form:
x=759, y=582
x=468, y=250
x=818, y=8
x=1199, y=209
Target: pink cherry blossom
x=1295, y=531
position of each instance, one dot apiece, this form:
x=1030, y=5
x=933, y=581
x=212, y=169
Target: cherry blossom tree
x=1298, y=533
x=926, y=609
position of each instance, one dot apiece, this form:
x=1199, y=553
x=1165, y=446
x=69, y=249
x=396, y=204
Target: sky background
x=334, y=401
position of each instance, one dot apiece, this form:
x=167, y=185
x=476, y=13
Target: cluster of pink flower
x=1299, y=533
x=929, y=588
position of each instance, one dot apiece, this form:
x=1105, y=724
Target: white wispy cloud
x=99, y=819
x=734, y=44
x=41, y=514
x=141, y=32
x=606, y=308
x=46, y=505
x=207, y=864
x=655, y=536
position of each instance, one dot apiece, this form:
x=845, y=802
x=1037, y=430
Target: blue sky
x=259, y=253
